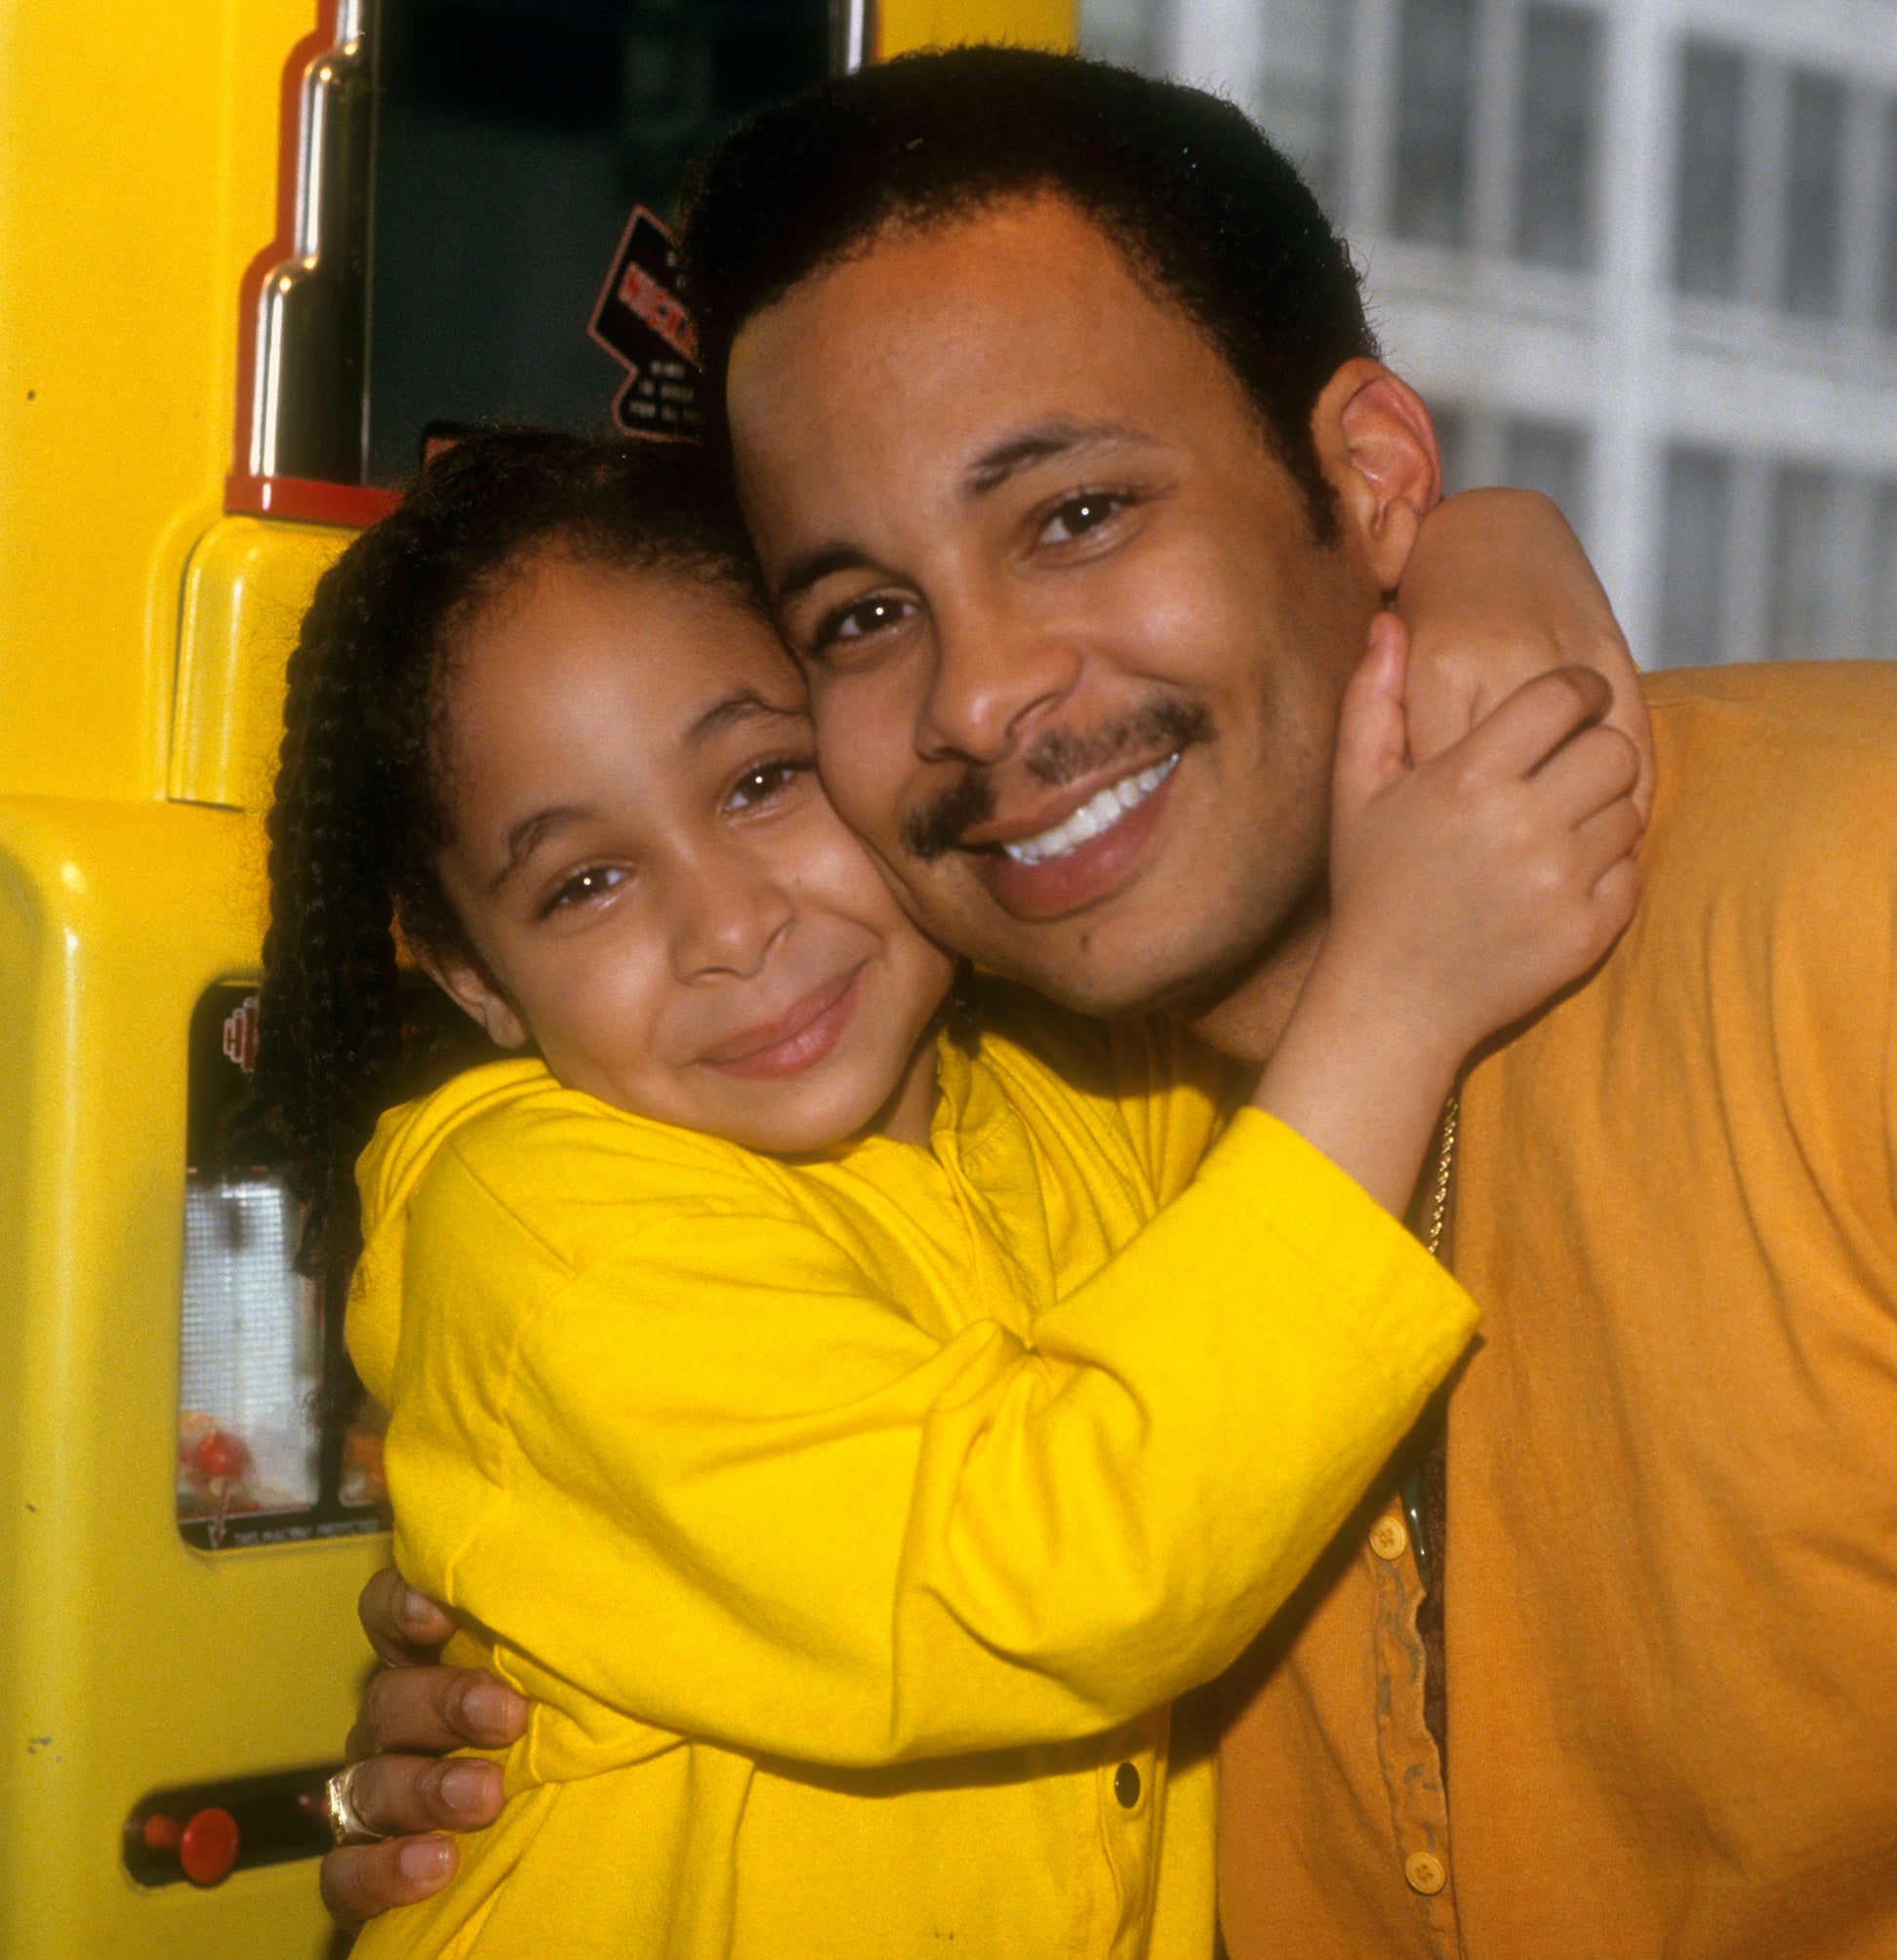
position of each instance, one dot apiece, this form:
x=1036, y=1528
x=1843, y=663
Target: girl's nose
x=729, y=913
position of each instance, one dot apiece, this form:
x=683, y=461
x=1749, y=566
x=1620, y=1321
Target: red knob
x=160, y=1832
x=220, y=1454
x=208, y=1848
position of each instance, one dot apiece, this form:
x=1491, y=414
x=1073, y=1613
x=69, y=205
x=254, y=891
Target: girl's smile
x=795, y=1040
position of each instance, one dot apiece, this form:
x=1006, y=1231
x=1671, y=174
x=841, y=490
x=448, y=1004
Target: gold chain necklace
x=1439, y=1191
x=1409, y=1486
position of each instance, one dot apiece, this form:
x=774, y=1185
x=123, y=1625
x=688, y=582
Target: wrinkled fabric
x=851, y=1523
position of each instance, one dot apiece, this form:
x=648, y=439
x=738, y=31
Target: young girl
x=850, y=1417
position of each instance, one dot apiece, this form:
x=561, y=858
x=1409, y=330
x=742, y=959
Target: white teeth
x=1100, y=812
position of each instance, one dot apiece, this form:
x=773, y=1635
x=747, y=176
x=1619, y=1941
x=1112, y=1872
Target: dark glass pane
x=1815, y=197
x=1805, y=553
x=1555, y=143
x=513, y=139
x=1709, y=207
x=1887, y=220
x=1551, y=457
x=1693, y=577
x=1436, y=81
x=1452, y=442
x=1301, y=103
x=1880, y=607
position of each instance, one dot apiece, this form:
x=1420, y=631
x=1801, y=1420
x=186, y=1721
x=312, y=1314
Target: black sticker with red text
x=641, y=321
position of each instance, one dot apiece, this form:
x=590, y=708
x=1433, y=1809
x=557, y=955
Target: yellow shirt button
x=1424, y=1873
x=1388, y=1538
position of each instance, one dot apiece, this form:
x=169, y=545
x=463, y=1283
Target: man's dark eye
x=866, y=616
x=1079, y=516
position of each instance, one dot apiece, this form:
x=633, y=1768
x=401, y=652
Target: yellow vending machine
x=254, y=255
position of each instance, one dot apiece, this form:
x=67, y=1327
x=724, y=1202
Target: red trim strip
x=303, y=501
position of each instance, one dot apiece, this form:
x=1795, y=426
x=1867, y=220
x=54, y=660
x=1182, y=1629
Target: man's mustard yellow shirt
x=851, y=1523
x=1672, y=1465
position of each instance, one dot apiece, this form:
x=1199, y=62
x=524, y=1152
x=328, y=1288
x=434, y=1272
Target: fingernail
x=465, y=1786
x=425, y=1859
x=492, y=1709
x=416, y=1612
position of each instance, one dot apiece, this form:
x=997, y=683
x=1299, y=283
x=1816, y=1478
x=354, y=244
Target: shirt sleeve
x=721, y=1487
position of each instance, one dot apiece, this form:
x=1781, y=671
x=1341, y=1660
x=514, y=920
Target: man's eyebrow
x=526, y=836
x=1058, y=437
x=810, y=568
x=741, y=706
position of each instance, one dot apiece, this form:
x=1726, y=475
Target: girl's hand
x=1468, y=889
x=1465, y=892
x=1498, y=592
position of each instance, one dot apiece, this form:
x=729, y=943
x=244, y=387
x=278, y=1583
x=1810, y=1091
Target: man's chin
x=1178, y=946
x=1091, y=968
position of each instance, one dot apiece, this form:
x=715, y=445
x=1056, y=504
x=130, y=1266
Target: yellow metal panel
x=128, y=1660
x=246, y=590
x=937, y=23
x=137, y=154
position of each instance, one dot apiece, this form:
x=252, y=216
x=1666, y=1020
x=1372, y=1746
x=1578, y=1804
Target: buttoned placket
x=1412, y=1767
x=1131, y=1786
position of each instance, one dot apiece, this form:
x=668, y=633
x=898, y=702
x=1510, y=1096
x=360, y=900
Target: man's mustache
x=1059, y=757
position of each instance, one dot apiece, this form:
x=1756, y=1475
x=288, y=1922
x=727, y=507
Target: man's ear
x=1378, y=450
x=473, y=989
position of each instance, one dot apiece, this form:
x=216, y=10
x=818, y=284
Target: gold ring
x=339, y=1805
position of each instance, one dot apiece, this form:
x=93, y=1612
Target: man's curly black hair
x=358, y=820
x=1206, y=210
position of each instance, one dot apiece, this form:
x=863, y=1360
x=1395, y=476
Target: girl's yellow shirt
x=851, y=1523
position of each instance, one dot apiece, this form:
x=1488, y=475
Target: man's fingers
x=394, y=1795
x=362, y=1880
x=403, y=1626
x=430, y=1711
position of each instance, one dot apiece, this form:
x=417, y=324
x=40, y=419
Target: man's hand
x=1498, y=592
x=415, y=1712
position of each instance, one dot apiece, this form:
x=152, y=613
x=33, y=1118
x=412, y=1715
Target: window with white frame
x=1557, y=135
x=1709, y=198
x=1812, y=236
x=1431, y=174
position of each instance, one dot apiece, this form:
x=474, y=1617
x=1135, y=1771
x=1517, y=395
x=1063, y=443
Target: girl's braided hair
x=358, y=822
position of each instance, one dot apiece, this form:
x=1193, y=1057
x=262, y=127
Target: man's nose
x=729, y=909
x=996, y=670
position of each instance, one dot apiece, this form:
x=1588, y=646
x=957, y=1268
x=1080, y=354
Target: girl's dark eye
x=766, y=780
x=594, y=882
x=1081, y=515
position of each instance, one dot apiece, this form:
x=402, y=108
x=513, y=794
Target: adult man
x=1070, y=471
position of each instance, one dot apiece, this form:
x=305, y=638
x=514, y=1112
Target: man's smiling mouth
x=1094, y=817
